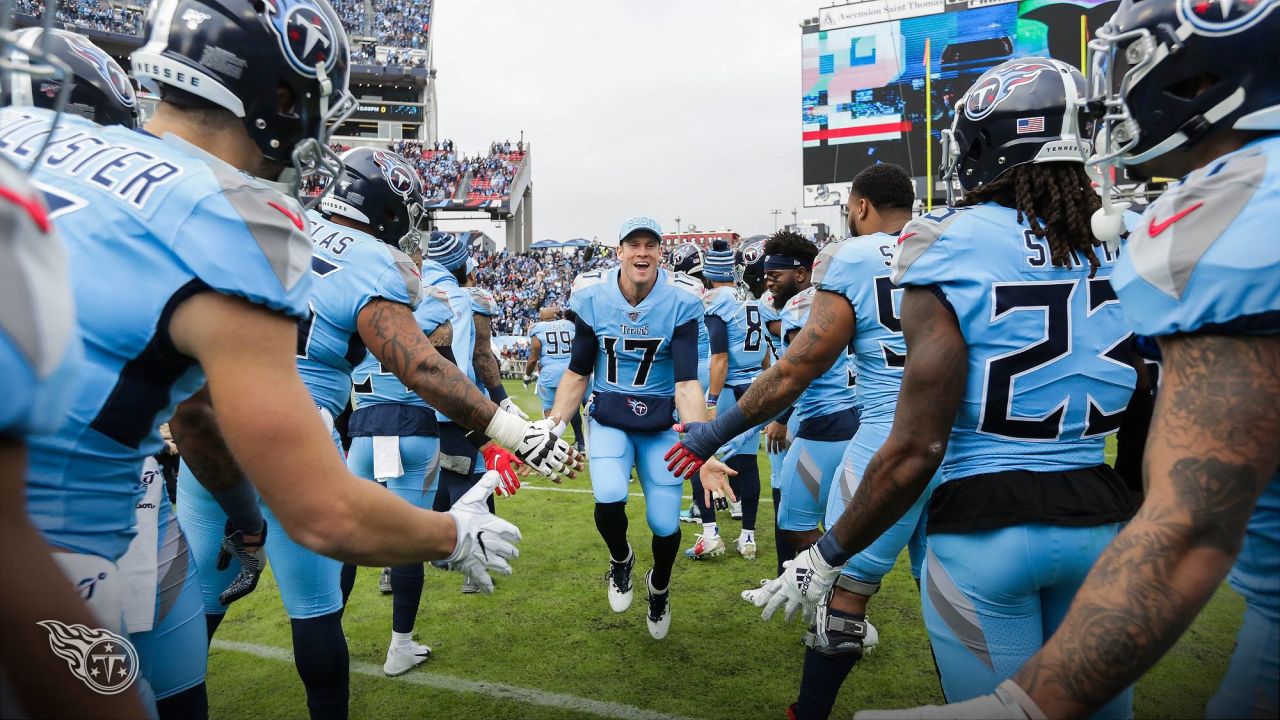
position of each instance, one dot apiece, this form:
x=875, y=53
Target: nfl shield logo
x=633, y=315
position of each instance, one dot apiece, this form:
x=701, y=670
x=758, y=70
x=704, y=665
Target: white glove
x=486, y=542
x=513, y=408
x=1008, y=702
x=802, y=584
x=535, y=443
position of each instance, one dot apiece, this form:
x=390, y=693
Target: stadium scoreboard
x=880, y=78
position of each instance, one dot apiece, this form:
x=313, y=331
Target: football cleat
x=384, y=581
x=735, y=510
x=470, y=586
x=705, y=547
x=403, y=658
x=618, y=578
x=659, y=616
x=690, y=515
x=746, y=549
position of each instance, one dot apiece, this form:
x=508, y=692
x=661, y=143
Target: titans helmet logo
x=994, y=88
x=752, y=253
x=399, y=176
x=305, y=35
x=116, y=78
x=1224, y=17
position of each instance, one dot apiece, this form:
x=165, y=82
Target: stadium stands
x=124, y=18
x=522, y=283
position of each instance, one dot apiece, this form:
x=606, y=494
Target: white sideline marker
x=501, y=691
x=525, y=485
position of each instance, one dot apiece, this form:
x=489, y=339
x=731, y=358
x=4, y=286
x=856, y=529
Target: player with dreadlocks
x=1025, y=503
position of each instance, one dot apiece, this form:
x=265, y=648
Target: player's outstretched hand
x=510, y=406
x=486, y=543
x=253, y=559
x=544, y=451
x=1008, y=702
x=698, y=444
x=501, y=461
x=775, y=437
x=801, y=586
x=715, y=483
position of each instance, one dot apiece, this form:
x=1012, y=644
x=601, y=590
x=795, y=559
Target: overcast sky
x=668, y=108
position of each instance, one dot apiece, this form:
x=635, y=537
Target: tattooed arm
x=195, y=431
x=812, y=352
x=486, y=363
x=1211, y=452
x=932, y=386
x=535, y=352
x=392, y=334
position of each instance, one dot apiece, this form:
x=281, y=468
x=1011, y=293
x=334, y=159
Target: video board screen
x=881, y=78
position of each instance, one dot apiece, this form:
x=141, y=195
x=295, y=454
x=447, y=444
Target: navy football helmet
x=688, y=258
x=380, y=189
x=751, y=266
x=238, y=54
x=34, y=63
x=1165, y=73
x=1029, y=110
x=100, y=90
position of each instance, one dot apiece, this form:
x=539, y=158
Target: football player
x=736, y=335
x=549, y=349
x=637, y=330
x=1185, y=95
x=1012, y=281
x=40, y=354
x=164, y=617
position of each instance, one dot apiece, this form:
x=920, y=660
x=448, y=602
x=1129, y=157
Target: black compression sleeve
x=684, y=351
x=718, y=332
x=582, y=359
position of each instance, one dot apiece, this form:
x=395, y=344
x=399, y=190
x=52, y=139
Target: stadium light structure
x=775, y=214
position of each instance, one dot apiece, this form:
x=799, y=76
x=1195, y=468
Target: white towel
x=386, y=458
x=139, y=566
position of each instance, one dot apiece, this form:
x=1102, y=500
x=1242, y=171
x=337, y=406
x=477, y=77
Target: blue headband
x=783, y=262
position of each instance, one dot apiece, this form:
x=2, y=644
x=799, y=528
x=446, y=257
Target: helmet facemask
x=22, y=65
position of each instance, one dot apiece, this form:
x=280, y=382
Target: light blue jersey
x=1048, y=378
x=482, y=302
x=857, y=269
x=40, y=351
x=555, y=338
x=634, y=354
x=148, y=223
x=768, y=315
x=1204, y=259
x=376, y=386
x=830, y=392
x=462, y=320
x=351, y=268
x=745, y=327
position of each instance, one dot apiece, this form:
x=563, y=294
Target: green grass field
x=548, y=633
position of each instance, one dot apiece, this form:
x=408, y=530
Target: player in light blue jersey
x=636, y=330
x=736, y=337
x=1013, y=283
x=40, y=357
x=1201, y=273
x=550, y=345
x=690, y=259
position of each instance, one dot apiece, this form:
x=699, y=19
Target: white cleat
x=384, y=581
x=469, y=586
x=659, y=615
x=735, y=510
x=403, y=658
x=705, y=547
x=746, y=549
x=618, y=578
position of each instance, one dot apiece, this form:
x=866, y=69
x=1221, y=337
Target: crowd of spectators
x=526, y=282
x=491, y=176
x=90, y=14
x=352, y=15
x=439, y=166
x=403, y=23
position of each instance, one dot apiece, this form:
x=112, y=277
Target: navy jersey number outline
x=755, y=329
x=889, y=318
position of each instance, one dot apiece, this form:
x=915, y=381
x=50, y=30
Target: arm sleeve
x=582, y=359
x=718, y=332
x=684, y=351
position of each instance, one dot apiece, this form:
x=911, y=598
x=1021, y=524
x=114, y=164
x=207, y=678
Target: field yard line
x=454, y=684
x=524, y=485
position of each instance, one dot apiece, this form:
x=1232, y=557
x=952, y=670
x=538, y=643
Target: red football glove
x=501, y=461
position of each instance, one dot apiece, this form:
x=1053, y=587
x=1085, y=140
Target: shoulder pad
x=767, y=298
x=798, y=307
x=822, y=263
x=482, y=300
x=434, y=292
x=588, y=279
x=1183, y=223
x=919, y=235
x=409, y=273
x=686, y=283
x=276, y=221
